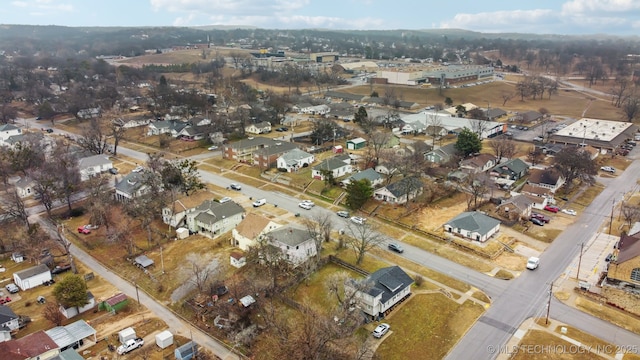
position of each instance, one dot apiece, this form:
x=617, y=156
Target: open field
x=609, y=314
x=543, y=338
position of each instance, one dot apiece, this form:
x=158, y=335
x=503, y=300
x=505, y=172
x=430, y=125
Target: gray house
x=473, y=225
x=387, y=287
x=212, y=218
x=370, y=174
x=442, y=154
x=400, y=191
x=130, y=186
x=8, y=319
x=513, y=169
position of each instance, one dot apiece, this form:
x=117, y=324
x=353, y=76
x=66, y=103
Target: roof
x=69, y=354
x=24, y=182
x=8, y=127
x=388, y=282
x=531, y=115
x=187, y=349
x=116, y=299
x=216, y=211
x=131, y=182
x=369, y=174
x=514, y=165
x=628, y=248
x=144, y=261
x=330, y=164
x=473, y=221
x=32, y=271
x=535, y=190
x=30, y=346
x=252, y=225
x=357, y=140
x=191, y=201
x=404, y=186
x=6, y=314
x=237, y=255
x=495, y=112
x=634, y=229
x=67, y=335
x=277, y=147
x=295, y=155
x=479, y=161
x=549, y=176
x=262, y=124
x=289, y=236
x=445, y=151
x=93, y=161
x=521, y=202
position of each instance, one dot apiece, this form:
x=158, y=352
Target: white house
x=247, y=233
x=8, y=318
x=212, y=218
x=263, y=127
x=294, y=159
x=34, y=276
x=132, y=123
x=93, y=165
x=374, y=177
x=25, y=187
x=381, y=290
x=473, y=225
x=8, y=130
x=549, y=178
x=75, y=310
x=400, y=191
x=130, y=186
x=338, y=166
x=175, y=214
x=295, y=244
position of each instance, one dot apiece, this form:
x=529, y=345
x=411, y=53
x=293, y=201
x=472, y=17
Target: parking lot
x=593, y=262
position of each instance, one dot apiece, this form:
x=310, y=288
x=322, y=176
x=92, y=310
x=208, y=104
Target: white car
x=212, y=147
x=138, y=169
x=305, y=206
x=358, y=220
x=380, y=330
x=533, y=263
x=569, y=212
x=608, y=169
x=224, y=200
x=308, y=202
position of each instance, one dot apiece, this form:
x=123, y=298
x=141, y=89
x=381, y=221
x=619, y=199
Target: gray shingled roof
x=369, y=174
x=93, y=161
x=131, y=183
x=212, y=211
x=289, y=235
x=388, y=282
x=515, y=165
x=473, y=221
x=330, y=164
x=6, y=314
x=405, y=185
x=27, y=273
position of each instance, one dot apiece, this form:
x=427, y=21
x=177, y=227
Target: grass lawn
x=608, y=314
x=369, y=263
x=543, y=338
x=427, y=327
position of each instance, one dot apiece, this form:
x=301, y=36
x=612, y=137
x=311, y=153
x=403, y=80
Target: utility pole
x=137, y=294
x=579, y=262
x=161, y=260
x=613, y=205
x=549, y=304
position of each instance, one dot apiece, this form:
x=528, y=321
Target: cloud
x=575, y=7
x=229, y=8
x=498, y=21
x=40, y=7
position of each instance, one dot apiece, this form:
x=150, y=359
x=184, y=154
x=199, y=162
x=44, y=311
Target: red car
x=84, y=230
x=540, y=217
x=552, y=208
x=5, y=300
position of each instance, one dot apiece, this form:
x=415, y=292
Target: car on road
x=212, y=147
x=552, y=208
x=358, y=220
x=540, y=217
x=12, y=288
x=380, y=330
x=235, y=187
x=533, y=263
x=305, y=206
x=308, y=202
x=282, y=129
x=570, y=212
x=224, y=200
x=608, y=169
x=537, y=221
x=343, y=214
x=49, y=131
x=259, y=202
x=395, y=247
x=538, y=138
x=138, y=169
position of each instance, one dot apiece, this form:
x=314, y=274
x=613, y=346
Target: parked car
x=538, y=138
x=380, y=330
x=49, y=131
x=138, y=169
x=609, y=257
x=533, y=263
x=259, y=202
x=84, y=230
x=395, y=247
x=212, y=147
x=540, y=217
x=282, y=129
x=343, y=214
x=608, y=169
x=224, y=200
x=552, y=208
x=358, y=220
x=308, y=202
x=113, y=171
x=60, y=269
x=235, y=187
x=305, y=206
x=130, y=345
x=537, y=221
x=12, y=288
x=4, y=300
x=570, y=212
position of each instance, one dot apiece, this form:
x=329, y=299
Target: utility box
x=126, y=334
x=164, y=339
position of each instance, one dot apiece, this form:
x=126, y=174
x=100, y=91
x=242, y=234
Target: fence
x=345, y=264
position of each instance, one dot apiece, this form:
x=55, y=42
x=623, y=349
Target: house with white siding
x=380, y=291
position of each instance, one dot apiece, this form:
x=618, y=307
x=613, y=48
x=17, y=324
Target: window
x=635, y=274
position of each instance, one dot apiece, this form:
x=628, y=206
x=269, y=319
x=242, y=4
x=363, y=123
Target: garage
x=32, y=277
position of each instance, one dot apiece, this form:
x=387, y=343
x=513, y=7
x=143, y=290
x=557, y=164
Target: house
x=263, y=127
x=5, y=334
x=237, y=259
x=537, y=191
x=75, y=310
x=549, y=178
x=415, y=128
x=132, y=123
x=356, y=144
x=478, y=164
x=294, y=159
x=187, y=351
x=400, y=191
x=267, y=157
x=382, y=290
x=71, y=335
x=198, y=121
x=336, y=165
x=8, y=130
x=442, y=155
x=212, y=218
x=243, y=150
x=35, y=346
x=252, y=227
x=143, y=261
x=513, y=169
x=473, y=225
x=374, y=177
x=515, y=208
x=494, y=113
x=18, y=257
x=193, y=133
x=115, y=303
x=529, y=117
x=8, y=319
x=295, y=244
x=175, y=214
x=93, y=165
x=25, y=187
x=171, y=127
x=625, y=264
x=436, y=131
x=34, y=276
x=89, y=113
x=132, y=185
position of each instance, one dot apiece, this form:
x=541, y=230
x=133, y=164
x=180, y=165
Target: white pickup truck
x=130, y=345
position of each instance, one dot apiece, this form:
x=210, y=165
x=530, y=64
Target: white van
x=259, y=202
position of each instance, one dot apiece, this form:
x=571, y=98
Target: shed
x=186, y=351
x=338, y=149
x=164, y=339
x=357, y=143
x=247, y=301
x=182, y=233
x=17, y=257
x=115, y=303
x=126, y=334
x=237, y=259
x=143, y=261
x=32, y=277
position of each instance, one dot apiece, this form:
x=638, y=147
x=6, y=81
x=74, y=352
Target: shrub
x=419, y=280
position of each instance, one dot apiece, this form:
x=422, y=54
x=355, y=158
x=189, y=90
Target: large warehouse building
x=601, y=134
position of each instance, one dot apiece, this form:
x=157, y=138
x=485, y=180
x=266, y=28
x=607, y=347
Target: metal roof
x=70, y=334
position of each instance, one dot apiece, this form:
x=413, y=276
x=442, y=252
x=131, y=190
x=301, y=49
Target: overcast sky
x=616, y=17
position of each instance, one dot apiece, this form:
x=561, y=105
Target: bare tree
x=15, y=207
x=631, y=214
x=201, y=272
x=362, y=238
x=319, y=228
x=434, y=125
x=478, y=186
x=502, y=148
x=377, y=141
x=61, y=240
x=99, y=201
x=45, y=180
x=117, y=133
x=631, y=108
x=619, y=90
x=93, y=138
x=52, y=313
x=68, y=175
